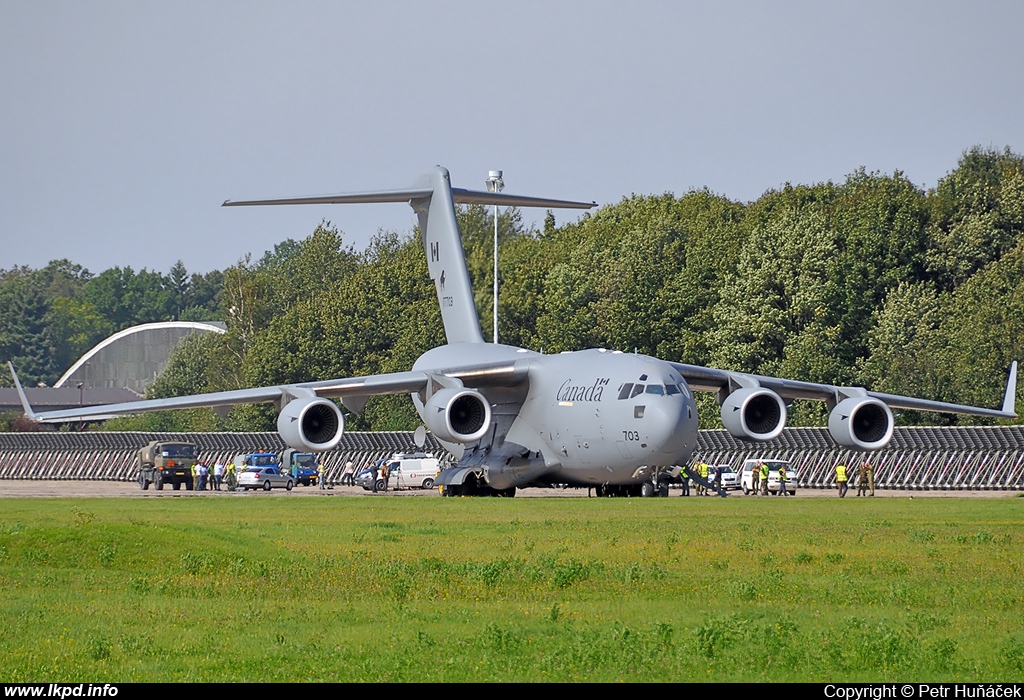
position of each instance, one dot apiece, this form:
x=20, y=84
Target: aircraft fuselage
x=584, y=418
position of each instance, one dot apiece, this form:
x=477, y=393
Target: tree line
x=872, y=281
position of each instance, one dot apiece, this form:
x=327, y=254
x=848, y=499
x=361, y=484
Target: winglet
x=1010, y=399
x=24, y=399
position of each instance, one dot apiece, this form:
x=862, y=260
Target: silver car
x=266, y=478
x=730, y=479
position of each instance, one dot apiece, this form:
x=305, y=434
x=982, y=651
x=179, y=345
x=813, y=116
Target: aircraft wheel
x=647, y=490
x=663, y=489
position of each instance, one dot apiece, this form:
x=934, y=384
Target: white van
x=747, y=476
x=415, y=471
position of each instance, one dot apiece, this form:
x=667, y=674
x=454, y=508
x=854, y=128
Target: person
x=755, y=479
x=375, y=472
x=230, y=477
x=871, y=476
x=862, y=480
x=218, y=474
x=782, y=479
x=321, y=474
x=764, y=479
x=841, y=479
x=349, y=473
x=684, y=478
x=702, y=471
x=201, y=476
x=385, y=473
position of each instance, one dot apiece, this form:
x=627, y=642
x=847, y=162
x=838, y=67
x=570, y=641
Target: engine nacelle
x=311, y=425
x=754, y=414
x=457, y=415
x=862, y=423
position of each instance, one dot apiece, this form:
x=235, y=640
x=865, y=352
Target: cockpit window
x=630, y=390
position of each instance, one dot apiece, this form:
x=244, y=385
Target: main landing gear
x=646, y=489
x=473, y=486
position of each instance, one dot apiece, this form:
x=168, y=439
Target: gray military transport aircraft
x=514, y=417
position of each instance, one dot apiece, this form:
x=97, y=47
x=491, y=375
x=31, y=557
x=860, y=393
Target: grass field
x=413, y=589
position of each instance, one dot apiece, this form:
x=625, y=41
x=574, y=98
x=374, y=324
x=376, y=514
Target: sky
x=125, y=125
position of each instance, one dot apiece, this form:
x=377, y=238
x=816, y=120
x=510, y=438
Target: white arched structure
x=132, y=358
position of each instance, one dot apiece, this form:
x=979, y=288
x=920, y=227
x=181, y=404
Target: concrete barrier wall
x=917, y=458
x=99, y=456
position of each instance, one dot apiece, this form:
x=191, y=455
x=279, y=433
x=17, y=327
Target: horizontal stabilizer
x=404, y=195
x=461, y=196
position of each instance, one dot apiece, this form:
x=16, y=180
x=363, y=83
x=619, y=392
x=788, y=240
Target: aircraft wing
x=356, y=388
x=716, y=380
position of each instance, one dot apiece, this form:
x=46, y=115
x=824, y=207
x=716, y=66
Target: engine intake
x=754, y=414
x=457, y=415
x=862, y=423
x=311, y=425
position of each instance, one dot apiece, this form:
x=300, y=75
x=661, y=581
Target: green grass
x=412, y=589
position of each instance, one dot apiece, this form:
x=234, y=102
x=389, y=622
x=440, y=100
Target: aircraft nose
x=672, y=426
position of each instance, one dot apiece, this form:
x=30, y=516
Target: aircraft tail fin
x=434, y=199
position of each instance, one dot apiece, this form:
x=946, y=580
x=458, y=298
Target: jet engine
x=862, y=423
x=754, y=414
x=311, y=425
x=457, y=415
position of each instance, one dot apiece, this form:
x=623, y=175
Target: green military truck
x=167, y=463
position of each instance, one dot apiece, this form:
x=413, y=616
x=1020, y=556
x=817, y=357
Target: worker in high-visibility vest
x=764, y=479
x=684, y=477
x=702, y=469
x=782, y=479
x=841, y=479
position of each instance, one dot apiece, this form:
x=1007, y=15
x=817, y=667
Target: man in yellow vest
x=841, y=479
x=764, y=479
x=702, y=469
